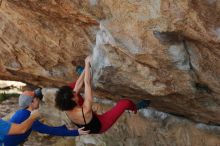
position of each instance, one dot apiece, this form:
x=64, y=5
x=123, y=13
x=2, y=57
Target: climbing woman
x=80, y=111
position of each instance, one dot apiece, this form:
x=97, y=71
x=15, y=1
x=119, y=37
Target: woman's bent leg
x=108, y=119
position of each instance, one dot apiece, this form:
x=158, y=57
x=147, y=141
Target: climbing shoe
x=143, y=104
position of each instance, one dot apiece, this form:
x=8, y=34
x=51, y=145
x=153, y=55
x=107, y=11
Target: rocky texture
x=40, y=40
x=6, y=109
x=165, y=50
x=148, y=127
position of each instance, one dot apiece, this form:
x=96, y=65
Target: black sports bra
x=94, y=125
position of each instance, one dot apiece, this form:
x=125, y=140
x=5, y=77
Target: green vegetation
x=4, y=96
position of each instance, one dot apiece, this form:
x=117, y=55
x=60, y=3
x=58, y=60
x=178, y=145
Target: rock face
x=164, y=50
x=167, y=51
x=41, y=40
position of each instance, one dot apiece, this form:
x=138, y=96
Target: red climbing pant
x=109, y=118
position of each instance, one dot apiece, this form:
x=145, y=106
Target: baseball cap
x=25, y=100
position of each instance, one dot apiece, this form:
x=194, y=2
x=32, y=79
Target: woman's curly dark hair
x=63, y=100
